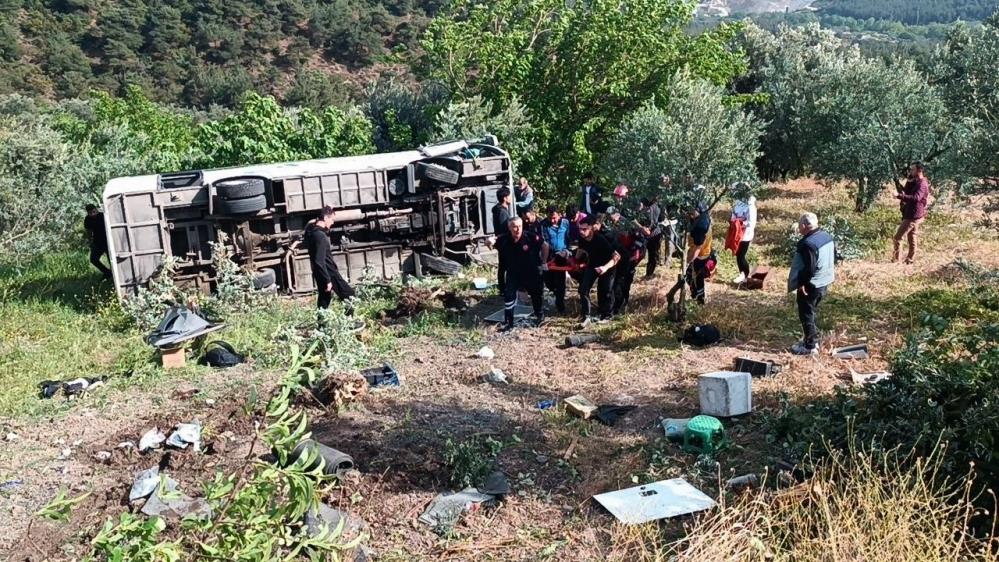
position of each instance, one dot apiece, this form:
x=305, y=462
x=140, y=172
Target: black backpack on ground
x=220, y=354
x=701, y=335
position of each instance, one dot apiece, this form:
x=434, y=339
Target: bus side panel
x=349, y=189
x=137, y=238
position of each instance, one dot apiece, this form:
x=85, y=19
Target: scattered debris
x=675, y=428
x=152, y=439
x=453, y=302
x=703, y=434
x=65, y=453
x=546, y=404
x=496, y=376
x=339, y=389
x=725, y=393
x=186, y=434
x=445, y=509
x=11, y=485
x=579, y=340
x=335, y=462
x=757, y=368
x=869, y=378
x=521, y=315
x=570, y=449
x=859, y=351
x=480, y=283
x=12, y=436
x=496, y=484
x=744, y=481
x=176, y=505
x=126, y=445
x=178, y=325
x=103, y=456
x=659, y=500
x=146, y=482
x=701, y=335
x=352, y=528
x=542, y=459
x=220, y=354
x=185, y=392
x=580, y=406
x=71, y=388
x=757, y=279
x=485, y=353
x=386, y=375
x=209, y=402
x=608, y=414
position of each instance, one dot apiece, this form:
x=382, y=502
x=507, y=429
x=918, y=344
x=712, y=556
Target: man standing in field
x=522, y=259
x=812, y=271
x=324, y=270
x=912, y=201
x=94, y=225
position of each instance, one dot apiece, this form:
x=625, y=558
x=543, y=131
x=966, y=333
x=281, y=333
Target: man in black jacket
x=324, y=271
x=522, y=262
x=94, y=225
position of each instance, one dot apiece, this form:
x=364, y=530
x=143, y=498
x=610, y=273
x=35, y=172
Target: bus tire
x=437, y=173
x=241, y=206
x=239, y=188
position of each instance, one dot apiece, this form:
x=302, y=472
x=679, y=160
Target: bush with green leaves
x=944, y=388
x=475, y=117
x=470, y=460
x=855, y=238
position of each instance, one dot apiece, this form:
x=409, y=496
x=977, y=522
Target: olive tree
x=694, y=131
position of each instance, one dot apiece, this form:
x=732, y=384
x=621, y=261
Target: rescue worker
x=629, y=242
x=501, y=211
x=600, y=258
x=699, y=257
x=522, y=261
x=812, y=272
x=555, y=232
x=324, y=270
x=96, y=231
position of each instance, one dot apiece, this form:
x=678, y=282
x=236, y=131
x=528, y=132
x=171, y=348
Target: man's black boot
x=507, y=321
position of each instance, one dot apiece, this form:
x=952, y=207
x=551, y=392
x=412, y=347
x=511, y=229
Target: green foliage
x=855, y=237
x=910, y=11
x=234, y=292
x=470, y=460
x=579, y=68
x=262, y=131
x=403, y=114
x=943, y=389
x=60, y=508
x=696, y=133
x=474, y=118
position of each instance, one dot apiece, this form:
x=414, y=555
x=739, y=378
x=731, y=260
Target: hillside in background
x=202, y=52
x=912, y=12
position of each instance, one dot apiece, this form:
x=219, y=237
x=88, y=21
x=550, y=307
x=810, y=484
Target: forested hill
x=201, y=52
x=912, y=12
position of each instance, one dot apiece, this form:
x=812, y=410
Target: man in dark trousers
x=650, y=218
x=94, y=225
x=812, y=271
x=522, y=259
x=501, y=211
x=600, y=261
x=555, y=232
x=698, y=257
x=912, y=200
x=590, y=201
x=324, y=270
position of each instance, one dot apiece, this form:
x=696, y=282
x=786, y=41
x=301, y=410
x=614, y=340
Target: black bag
x=700, y=336
x=220, y=354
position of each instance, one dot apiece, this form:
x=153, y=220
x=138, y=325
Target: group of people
x=602, y=243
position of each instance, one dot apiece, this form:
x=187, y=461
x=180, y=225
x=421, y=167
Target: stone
x=579, y=406
x=725, y=393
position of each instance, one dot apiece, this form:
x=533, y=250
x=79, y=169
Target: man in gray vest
x=812, y=271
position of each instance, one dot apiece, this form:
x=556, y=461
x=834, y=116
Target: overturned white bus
x=396, y=213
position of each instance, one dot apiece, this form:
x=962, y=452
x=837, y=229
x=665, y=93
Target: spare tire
x=440, y=264
x=263, y=278
x=239, y=188
x=241, y=206
x=437, y=173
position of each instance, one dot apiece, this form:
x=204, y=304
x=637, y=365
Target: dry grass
x=861, y=507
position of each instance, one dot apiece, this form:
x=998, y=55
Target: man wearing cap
x=600, y=259
x=698, y=259
x=812, y=271
x=324, y=270
x=522, y=261
x=94, y=225
x=555, y=232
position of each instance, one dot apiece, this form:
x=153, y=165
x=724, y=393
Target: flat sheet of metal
x=659, y=500
x=520, y=312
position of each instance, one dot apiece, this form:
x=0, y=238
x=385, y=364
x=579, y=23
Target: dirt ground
x=554, y=462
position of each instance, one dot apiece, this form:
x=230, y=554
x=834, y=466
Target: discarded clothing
x=186, y=434
x=701, y=336
x=608, y=414
x=220, y=354
x=146, y=483
x=152, y=439
x=48, y=389
x=495, y=484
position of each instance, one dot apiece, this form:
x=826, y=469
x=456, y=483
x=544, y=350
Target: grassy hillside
x=201, y=52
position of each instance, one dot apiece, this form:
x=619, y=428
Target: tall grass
x=870, y=507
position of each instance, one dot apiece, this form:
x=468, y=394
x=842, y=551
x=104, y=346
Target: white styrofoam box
x=726, y=393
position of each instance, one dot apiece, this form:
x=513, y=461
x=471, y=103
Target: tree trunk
x=859, y=205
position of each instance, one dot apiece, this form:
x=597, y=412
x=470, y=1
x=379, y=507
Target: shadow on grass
x=65, y=279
